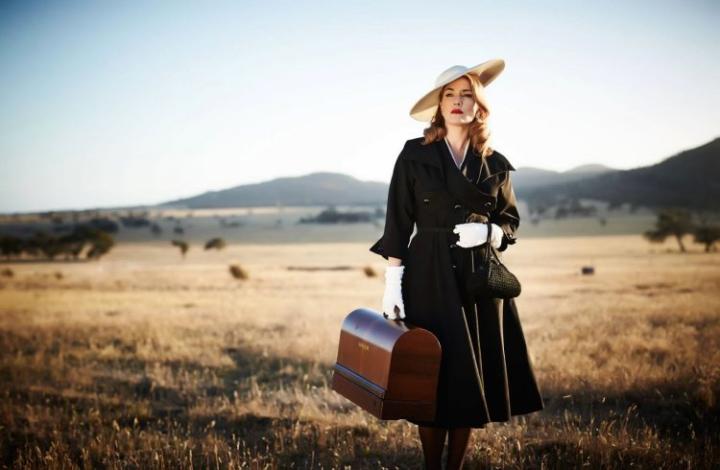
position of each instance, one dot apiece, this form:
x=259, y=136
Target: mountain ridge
x=692, y=175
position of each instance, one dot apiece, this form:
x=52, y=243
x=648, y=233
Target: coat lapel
x=459, y=186
x=495, y=163
x=434, y=153
x=437, y=155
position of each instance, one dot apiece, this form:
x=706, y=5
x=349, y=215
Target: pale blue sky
x=117, y=103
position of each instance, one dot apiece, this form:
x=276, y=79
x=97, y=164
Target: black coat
x=486, y=373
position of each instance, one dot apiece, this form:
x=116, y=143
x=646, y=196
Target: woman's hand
x=393, y=292
x=475, y=234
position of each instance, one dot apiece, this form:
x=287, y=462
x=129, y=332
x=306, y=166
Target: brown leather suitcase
x=387, y=367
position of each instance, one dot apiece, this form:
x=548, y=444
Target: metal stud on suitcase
x=387, y=367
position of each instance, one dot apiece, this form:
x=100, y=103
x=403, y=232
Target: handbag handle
x=489, y=249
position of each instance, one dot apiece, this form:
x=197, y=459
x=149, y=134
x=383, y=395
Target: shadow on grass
x=126, y=399
x=45, y=261
x=667, y=408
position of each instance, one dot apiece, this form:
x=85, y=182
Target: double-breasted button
x=488, y=204
x=458, y=206
x=426, y=201
x=452, y=245
x=454, y=267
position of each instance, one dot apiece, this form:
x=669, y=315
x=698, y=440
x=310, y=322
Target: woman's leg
x=433, y=441
x=458, y=440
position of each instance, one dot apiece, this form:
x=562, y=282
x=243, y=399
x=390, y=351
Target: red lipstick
x=456, y=111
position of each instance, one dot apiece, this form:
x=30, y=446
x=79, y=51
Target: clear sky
x=137, y=102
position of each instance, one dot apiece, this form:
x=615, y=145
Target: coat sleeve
x=399, y=216
x=506, y=213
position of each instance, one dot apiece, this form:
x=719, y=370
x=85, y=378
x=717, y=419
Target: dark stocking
x=433, y=441
x=457, y=447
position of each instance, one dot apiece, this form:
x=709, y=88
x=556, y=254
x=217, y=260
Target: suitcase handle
x=387, y=317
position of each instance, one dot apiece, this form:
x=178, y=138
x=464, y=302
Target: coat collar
x=433, y=153
x=464, y=190
x=437, y=154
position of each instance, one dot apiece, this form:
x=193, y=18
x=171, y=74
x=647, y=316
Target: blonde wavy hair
x=478, y=132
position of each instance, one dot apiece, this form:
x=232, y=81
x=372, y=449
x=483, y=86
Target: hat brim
x=425, y=108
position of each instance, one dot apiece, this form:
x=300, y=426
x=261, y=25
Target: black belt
x=435, y=229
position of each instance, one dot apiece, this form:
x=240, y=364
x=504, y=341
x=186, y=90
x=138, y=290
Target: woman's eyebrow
x=453, y=89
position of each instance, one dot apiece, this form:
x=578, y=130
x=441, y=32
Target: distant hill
x=688, y=179
x=325, y=188
x=590, y=168
x=312, y=189
x=529, y=177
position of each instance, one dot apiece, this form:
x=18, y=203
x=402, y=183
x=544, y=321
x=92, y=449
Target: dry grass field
x=146, y=360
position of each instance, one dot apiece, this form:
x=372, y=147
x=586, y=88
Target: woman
x=448, y=183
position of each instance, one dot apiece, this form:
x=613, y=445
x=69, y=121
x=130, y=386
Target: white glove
x=474, y=234
x=393, y=292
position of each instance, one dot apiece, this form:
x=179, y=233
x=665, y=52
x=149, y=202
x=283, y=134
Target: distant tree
x=183, y=245
x=135, y=221
x=614, y=205
x=11, y=246
x=46, y=244
x=215, y=243
x=72, y=244
x=541, y=209
x=671, y=222
x=156, y=229
x=104, y=224
x=230, y=223
x=100, y=244
x=50, y=246
x=332, y=216
x=708, y=235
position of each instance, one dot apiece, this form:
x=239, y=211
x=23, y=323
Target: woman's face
x=457, y=105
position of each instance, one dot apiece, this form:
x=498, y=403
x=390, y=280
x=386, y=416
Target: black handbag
x=491, y=278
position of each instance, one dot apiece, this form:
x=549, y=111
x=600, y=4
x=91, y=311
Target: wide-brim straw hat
x=425, y=108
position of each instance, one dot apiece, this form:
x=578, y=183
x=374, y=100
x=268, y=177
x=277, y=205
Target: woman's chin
x=457, y=121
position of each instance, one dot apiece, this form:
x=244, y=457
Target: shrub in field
x=183, y=245
x=671, y=223
x=707, y=235
x=369, y=271
x=215, y=243
x=100, y=244
x=238, y=272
